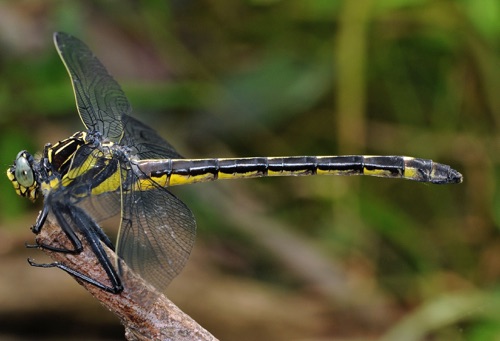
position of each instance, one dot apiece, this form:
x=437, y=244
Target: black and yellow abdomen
x=172, y=172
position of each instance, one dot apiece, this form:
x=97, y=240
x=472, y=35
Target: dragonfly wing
x=157, y=234
x=100, y=100
x=145, y=141
x=101, y=207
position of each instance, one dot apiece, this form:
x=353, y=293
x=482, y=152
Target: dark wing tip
x=57, y=36
x=60, y=37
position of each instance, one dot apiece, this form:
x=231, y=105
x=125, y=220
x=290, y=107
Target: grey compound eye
x=24, y=173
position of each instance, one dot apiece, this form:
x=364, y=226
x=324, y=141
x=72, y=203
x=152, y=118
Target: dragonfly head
x=23, y=177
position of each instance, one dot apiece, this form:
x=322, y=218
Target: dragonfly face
x=120, y=166
x=23, y=177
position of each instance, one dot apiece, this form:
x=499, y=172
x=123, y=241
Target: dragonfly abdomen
x=172, y=172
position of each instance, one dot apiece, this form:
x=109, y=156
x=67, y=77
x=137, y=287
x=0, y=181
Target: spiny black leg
x=40, y=220
x=40, y=265
x=38, y=245
x=59, y=211
x=69, y=218
x=114, y=289
x=32, y=246
x=87, y=227
x=102, y=236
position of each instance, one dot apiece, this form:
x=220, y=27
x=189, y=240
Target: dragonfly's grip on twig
x=145, y=313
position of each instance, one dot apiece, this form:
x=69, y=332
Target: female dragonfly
x=120, y=166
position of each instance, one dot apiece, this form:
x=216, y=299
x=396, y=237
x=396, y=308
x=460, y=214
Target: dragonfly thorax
x=31, y=176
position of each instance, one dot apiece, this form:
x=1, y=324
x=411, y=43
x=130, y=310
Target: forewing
x=156, y=236
x=100, y=100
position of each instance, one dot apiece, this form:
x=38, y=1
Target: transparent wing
x=101, y=207
x=156, y=236
x=102, y=104
x=100, y=100
x=145, y=141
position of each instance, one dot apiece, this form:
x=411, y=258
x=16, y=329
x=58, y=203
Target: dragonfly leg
x=58, y=210
x=93, y=234
x=71, y=219
x=40, y=220
x=101, y=235
x=114, y=289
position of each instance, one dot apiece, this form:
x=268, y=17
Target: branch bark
x=145, y=313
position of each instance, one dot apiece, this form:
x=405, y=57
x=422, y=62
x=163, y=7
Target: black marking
x=151, y=169
x=259, y=165
x=423, y=167
x=195, y=167
x=348, y=164
x=306, y=165
x=61, y=154
x=393, y=164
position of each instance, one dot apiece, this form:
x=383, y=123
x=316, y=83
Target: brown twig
x=145, y=313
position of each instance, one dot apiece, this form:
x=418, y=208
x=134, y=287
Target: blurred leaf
x=485, y=16
x=444, y=311
x=280, y=88
x=398, y=230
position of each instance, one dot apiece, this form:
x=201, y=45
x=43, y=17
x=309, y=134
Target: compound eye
x=24, y=173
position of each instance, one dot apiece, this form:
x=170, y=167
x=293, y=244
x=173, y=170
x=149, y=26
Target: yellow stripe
x=177, y=179
x=147, y=184
x=378, y=172
x=336, y=172
x=89, y=163
x=238, y=175
x=411, y=173
x=50, y=185
x=112, y=183
x=11, y=175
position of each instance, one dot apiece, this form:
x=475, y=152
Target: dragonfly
x=119, y=166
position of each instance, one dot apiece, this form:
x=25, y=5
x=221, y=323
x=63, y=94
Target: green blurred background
x=316, y=258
